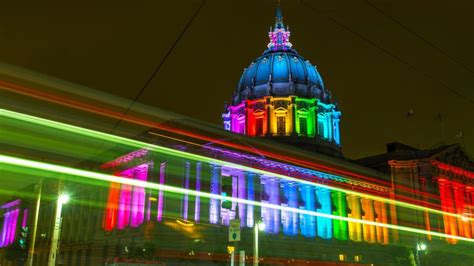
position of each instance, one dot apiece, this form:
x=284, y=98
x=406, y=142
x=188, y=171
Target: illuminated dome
x=282, y=96
x=280, y=71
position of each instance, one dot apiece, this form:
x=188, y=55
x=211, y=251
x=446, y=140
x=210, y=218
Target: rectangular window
x=303, y=126
x=281, y=125
x=342, y=257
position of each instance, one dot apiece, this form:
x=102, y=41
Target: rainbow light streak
x=23, y=163
x=105, y=112
x=191, y=156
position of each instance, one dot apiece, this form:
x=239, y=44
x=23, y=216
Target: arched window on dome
x=305, y=120
x=326, y=114
x=256, y=118
x=237, y=118
x=281, y=116
x=323, y=130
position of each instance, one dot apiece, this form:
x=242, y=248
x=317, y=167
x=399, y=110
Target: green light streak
x=168, y=151
x=23, y=163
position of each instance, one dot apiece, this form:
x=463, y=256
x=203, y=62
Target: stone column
x=380, y=209
x=161, y=198
x=251, y=182
x=274, y=189
x=290, y=224
x=447, y=204
x=4, y=235
x=355, y=228
x=470, y=196
x=324, y=224
x=459, y=191
x=197, y=203
x=308, y=222
x=242, y=194
x=215, y=188
x=369, y=230
x=185, y=185
x=340, y=204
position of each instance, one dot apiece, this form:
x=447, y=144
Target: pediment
x=455, y=156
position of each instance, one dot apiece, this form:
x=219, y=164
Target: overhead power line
x=396, y=57
x=158, y=67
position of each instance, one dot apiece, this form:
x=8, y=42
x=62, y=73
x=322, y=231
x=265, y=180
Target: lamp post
x=420, y=246
x=259, y=226
x=62, y=199
x=31, y=250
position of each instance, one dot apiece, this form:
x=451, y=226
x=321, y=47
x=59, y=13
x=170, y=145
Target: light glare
x=63, y=199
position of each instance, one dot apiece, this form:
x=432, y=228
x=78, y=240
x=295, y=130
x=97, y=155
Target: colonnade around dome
x=285, y=116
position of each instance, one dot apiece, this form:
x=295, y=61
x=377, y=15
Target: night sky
x=380, y=58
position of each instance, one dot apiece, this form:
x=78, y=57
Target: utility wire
x=426, y=75
x=157, y=69
x=419, y=37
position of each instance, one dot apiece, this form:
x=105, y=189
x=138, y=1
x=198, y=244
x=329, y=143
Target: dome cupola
x=280, y=71
x=282, y=95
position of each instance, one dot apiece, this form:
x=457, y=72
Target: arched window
x=324, y=126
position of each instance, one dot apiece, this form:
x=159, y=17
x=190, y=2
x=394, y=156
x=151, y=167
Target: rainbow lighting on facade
x=11, y=211
x=282, y=95
x=270, y=191
x=24, y=164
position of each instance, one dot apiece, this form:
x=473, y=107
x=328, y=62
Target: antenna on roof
x=439, y=117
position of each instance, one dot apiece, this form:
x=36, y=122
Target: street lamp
x=259, y=226
x=62, y=199
x=420, y=246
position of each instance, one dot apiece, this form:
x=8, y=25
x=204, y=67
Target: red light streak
x=134, y=120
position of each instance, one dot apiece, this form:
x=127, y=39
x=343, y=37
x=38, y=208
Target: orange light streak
x=134, y=120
